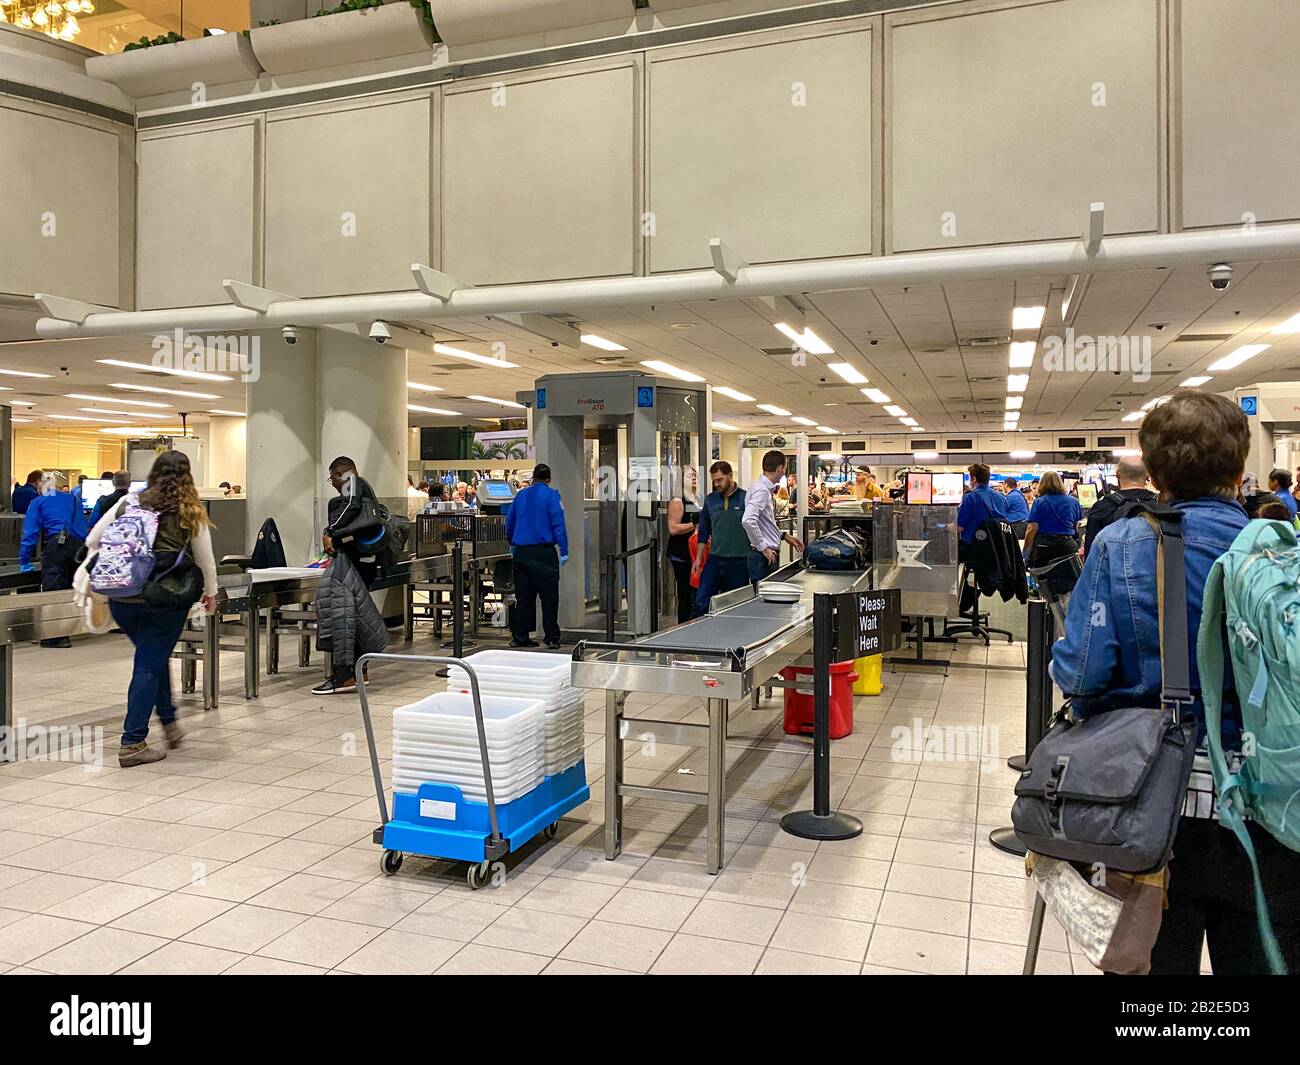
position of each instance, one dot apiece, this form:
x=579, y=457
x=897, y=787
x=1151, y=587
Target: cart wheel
x=391, y=862
x=551, y=830
x=476, y=875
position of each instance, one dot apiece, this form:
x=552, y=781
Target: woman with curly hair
x=184, y=575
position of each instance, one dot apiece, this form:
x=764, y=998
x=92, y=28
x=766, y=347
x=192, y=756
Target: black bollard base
x=1018, y=762
x=808, y=825
x=1005, y=839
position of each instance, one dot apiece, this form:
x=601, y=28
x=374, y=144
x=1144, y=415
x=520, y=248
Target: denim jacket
x=1110, y=656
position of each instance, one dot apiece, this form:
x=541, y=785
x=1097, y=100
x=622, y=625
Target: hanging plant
x=149, y=42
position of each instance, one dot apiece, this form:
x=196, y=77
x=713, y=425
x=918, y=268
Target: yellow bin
x=870, y=670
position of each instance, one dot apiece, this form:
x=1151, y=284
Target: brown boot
x=139, y=754
x=174, y=733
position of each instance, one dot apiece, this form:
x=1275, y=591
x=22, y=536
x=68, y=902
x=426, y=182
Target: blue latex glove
x=27, y=567
x=564, y=559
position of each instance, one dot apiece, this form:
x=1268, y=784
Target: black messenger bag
x=1110, y=789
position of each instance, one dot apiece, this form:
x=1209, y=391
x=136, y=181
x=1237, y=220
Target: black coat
x=1104, y=511
x=348, y=624
x=998, y=563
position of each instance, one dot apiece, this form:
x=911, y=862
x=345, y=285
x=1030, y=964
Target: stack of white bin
x=527, y=675
x=436, y=740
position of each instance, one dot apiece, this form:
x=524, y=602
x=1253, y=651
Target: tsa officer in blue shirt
x=25, y=494
x=535, y=529
x=979, y=505
x=1017, y=508
x=1053, y=523
x=56, y=520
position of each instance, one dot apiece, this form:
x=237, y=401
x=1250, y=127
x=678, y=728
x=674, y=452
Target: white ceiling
x=910, y=342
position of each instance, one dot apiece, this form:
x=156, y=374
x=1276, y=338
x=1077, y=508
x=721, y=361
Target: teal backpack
x=1255, y=589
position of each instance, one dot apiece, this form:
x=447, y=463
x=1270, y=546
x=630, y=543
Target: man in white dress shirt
x=759, y=521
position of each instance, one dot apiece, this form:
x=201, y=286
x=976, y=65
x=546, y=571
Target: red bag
x=695, y=548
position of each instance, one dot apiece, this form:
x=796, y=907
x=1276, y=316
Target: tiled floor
x=249, y=850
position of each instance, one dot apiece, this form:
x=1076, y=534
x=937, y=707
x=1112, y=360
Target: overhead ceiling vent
x=610, y=360
x=986, y=380
x=985, y=342
x=1197, y=338
x=779, y=351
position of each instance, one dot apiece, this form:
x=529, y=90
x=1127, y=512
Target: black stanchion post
x=458, y=599
x=821, y=822
x=1038, y=703
x=609, y=584
x=655, y=590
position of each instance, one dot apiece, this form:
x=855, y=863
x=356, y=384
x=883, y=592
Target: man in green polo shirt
x=720, y=528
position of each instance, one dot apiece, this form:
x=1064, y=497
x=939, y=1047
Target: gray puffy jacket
x=348, y=624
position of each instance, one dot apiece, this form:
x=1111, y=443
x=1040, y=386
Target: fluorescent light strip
x=117, y=399
x=1125, y=452
x=731, y=393
x=1022, y=454
x=1011, y=416
x=600, y=342
x=433, y=410
x=772, y=408
x=896, y=411
x=20, y=403
x=801, y=420
x=228, y=413
x=74, y=418
x=122, y=413
x=1027, y=317
x=1017, y=382
x=1236, y=358
x=24, y=373
x=146, y=430
x=875, y=395
x=166, y=391
x=1134, y=416
x=667, y=368
x=808, y=340
x=498, y=402
x=193, y=375
x=469, y=356
x=847, y=372
x=925, y=456
x=1151, y=403
x=1196, y=382
x=828, y=430
x=723, y=427
x=1022, y=354
x=418, y=387
x=908, y=421
x=1015, y=402
x=1291, y=325
x=20, y=420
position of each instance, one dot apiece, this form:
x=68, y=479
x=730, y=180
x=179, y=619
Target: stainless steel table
x=722, y=658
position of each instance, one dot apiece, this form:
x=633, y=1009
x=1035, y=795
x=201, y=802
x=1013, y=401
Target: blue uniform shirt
x=1056, y=515
x=49, y=516
x=24, y=496
x=1017, y=508
x=537, y=517
x=1288, y=500
x=978, y=506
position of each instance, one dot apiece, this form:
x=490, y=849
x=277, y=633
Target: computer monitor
x=947, y=489
x=92, y=490
x=1087, y=494
x=495, y=491
x=920, y=487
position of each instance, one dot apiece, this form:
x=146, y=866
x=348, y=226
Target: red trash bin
x=799, y=708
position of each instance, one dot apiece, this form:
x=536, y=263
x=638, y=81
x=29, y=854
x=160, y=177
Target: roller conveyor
x=722, y=658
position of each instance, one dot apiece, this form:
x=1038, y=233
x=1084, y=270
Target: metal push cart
x=439, y=822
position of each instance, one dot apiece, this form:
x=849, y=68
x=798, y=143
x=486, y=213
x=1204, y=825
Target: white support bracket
x=1096, y=227
x=67, y=310
x=529, y=326
x=725, y=261
x=253, y=297
x=435, y=283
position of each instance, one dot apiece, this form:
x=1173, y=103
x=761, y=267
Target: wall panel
x=767, y=147
x=1005, y=124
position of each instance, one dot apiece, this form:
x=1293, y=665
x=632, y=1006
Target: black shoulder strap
x=1171, y=583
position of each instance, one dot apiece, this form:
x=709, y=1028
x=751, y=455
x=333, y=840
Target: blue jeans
x=760, y=568
x=154, y=633
x=719, y=575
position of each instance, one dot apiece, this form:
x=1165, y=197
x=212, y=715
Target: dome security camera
x=1220, y=275
x=379, y=333
x=290, y=334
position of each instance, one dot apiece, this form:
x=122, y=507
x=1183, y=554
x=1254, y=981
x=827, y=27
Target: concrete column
x=284, y=480
x=361, y=390
x=227, y=451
